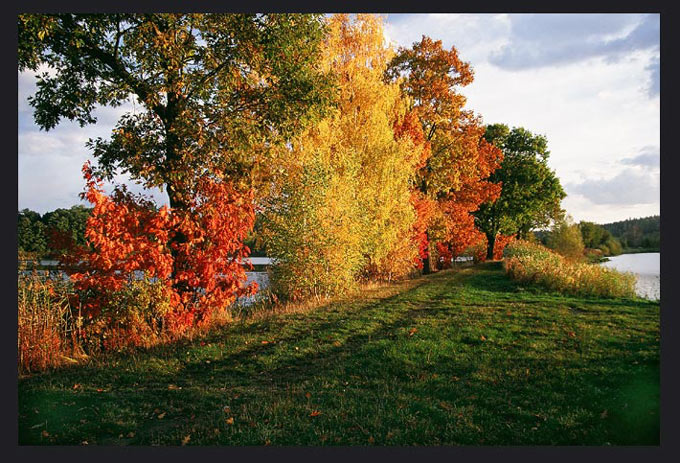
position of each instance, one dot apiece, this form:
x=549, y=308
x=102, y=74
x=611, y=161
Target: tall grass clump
x=54, y=330
x=533, y=263
x=48, y=324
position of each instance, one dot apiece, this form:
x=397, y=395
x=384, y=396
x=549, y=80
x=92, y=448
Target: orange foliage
x=501, y=242
x=409, y=126
x=425, y=210
x=456, y=160
x=194, y=254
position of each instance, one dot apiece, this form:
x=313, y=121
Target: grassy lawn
x=456, y=358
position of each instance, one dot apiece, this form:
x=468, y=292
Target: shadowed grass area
x=456, y=358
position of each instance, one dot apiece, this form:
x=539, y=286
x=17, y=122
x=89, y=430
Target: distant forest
x=48, y=235
x=637, y=234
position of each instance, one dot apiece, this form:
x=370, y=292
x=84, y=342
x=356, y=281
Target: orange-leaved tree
x=459, y=161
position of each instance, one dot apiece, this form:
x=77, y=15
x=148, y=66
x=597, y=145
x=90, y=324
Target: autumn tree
x=531, y=192
x=454, y=174
x=213, y=94
x=341, y=206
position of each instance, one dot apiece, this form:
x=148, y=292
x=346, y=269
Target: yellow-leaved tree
x=339, y=206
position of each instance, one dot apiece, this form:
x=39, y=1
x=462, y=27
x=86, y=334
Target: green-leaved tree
x=531, y=192
x=214, y=91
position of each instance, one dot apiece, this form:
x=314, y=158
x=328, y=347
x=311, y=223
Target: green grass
x=456, y=358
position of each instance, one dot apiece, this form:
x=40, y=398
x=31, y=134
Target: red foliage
x=196, y=253
x=210, y=256
x=425, y=209
x=459, y=205
x=445, y=255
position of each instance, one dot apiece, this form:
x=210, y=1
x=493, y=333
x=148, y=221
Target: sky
x=588, y=82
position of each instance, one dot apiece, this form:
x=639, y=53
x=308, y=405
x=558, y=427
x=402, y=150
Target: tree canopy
x=339, y=206
x=531, y=193
x=215, y=90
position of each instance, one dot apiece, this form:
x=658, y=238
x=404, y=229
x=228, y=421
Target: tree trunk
x=489, y=249
x=426, y=260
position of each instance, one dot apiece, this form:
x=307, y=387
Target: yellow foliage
x=340, y=207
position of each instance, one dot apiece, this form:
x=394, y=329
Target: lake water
x=647, y=269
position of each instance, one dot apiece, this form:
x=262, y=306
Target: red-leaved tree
x=128, y=238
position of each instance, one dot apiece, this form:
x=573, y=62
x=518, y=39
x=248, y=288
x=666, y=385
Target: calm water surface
x=645, y=266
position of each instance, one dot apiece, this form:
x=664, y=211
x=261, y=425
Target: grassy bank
x=535, y=264
x=463, y=357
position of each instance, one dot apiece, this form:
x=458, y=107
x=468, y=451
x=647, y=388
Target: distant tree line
x=597, y=237
x=49, y=234
x=593, y=240
x=641, y=233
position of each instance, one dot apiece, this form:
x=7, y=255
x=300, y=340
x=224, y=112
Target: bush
x=565, y=238
x=536, y=264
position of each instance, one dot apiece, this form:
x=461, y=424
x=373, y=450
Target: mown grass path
x=456, y=358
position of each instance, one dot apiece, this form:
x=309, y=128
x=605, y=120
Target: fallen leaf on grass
x=131, y=434
x=230, y=420
x=172, y=387
x=571, y=334
x=308, y=395
x=483, y=338
x=412, y=331
x=186, y=440
x=445, y=406
x=315, y=413
x=45, y=433
x=161, y=416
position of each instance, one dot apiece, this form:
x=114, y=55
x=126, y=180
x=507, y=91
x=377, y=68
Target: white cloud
x=548, y=39
x=648, y=158
x=629, y=187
